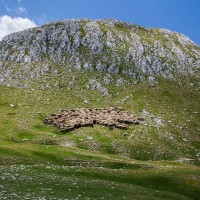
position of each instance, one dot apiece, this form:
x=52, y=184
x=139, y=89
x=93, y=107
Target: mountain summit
x=108, y=45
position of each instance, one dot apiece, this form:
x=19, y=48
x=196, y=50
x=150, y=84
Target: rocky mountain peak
x=107, y=45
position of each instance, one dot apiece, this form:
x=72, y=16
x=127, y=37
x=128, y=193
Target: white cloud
x=8, y=9
x=9, y=25
x=20, y=10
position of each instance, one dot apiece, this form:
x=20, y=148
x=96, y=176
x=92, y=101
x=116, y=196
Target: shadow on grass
x=158, y=181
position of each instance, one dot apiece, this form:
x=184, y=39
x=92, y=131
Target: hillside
x=70, y=64
x=108, y=46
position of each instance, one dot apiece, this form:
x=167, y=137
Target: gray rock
x=86, y=101
x=88, y=66
x=110, y=41
x=104, y=91
x=101, y=67
x=71, y=84
x=151, y=79
x=121, y=81
x=95, y=85
x=90, y=138
x=144, y=112
x=57, y=86
x=159, y=122
x=93, y=37
x=107, y=79
x=113, y=69
x=185, y=140
x=78, y=65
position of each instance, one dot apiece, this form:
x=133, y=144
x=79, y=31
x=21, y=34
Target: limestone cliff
x=110, y=46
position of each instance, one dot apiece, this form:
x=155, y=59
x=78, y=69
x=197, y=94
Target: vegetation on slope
x=158, y=159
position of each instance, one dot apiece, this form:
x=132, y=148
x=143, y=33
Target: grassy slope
x=62, y=166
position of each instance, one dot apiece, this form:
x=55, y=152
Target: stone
x=88, y=66
x=71, y=84
x=104, y=91
x=159, y=121
x=124, y=134
x=144, y=112
x=152, y=80
x=86, y=101
x=57, y=86
x=101, y=67
x=111, y=40
x=90, y=138
x=113, y=69
x=132, y=136
x=126, y=98
x=185, y=140
x=95, y=85
x=107, y=79
x=121, y=81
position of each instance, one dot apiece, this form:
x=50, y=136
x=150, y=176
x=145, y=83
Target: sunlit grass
x=142, y=158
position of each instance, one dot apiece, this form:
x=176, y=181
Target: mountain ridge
x=108, y=45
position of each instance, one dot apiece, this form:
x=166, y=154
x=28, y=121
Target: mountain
x=110, y=46
x=69, y=69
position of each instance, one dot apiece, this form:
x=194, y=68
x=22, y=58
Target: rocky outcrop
x=109, y=46
x=113, y=117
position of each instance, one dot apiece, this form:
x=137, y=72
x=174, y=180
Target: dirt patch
x=68, y=120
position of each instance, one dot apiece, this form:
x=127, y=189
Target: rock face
x=71, y=119
x=109, y=46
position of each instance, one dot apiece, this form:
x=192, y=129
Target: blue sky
x=178, y=15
